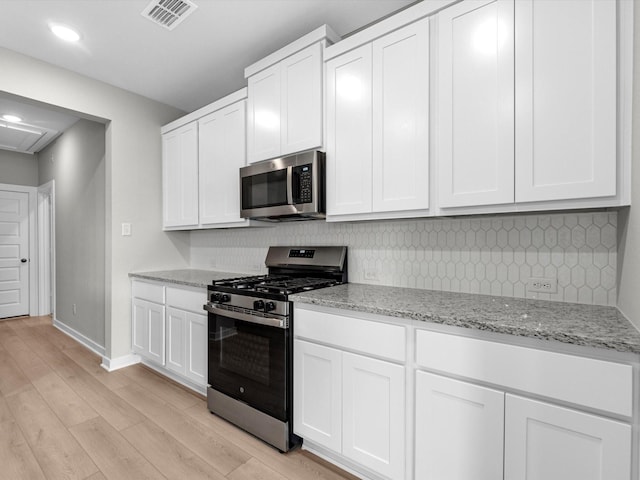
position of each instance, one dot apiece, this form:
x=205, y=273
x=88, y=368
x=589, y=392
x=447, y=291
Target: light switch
x=126, y=229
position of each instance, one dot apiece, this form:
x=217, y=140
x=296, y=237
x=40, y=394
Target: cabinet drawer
x=191, y=300
x=585, y=381
x=365, y=336
x=148, y=291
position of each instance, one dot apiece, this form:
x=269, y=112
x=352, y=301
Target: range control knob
x=220, y=297
x=258, y=305
x=269, y=306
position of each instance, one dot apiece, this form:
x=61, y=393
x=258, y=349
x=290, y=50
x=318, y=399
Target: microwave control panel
x=304, y=174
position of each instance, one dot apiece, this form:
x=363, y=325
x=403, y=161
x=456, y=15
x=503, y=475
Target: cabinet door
x=349, y=130
x=401, y=119
x=140, y=326
x=374, y=414
x=459, y=430
x=476, y=104
x=263, y=115
x=196, y=348
x=317, y=396
x=301, y=121
x=222, y=153
x=566, y=99
x=547, y=442
x=148, y=330
x=176, y=342
x=180, y=176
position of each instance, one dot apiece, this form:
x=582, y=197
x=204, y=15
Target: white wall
x=629, y=229
x=132, y=177
x=18, y=168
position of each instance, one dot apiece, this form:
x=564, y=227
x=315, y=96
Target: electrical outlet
x=542, y=285
x=371, y=274
x=75, y=310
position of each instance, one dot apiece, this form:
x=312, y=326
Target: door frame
x=33, y=251
x=46, y=249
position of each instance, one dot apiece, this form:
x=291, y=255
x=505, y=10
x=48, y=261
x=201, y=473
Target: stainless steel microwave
x=288, y=188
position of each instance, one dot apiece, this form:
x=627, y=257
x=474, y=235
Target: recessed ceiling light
x=11, y=118
x=65, y=33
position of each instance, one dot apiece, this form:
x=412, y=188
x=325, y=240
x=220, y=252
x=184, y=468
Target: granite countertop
x=577, y=324
x=187, y=276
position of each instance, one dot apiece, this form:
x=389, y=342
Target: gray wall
x=18, y=168
x=76, y=161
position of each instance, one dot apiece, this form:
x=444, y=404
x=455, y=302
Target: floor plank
x=16, y=458
x=152, y=382
x=115, y=456
x=12, y=380
x=117, y=412
x=57, y=451
x=254, y=470
x=91, y=363
x=206, y=442
x=174, y=460
x=63, y=400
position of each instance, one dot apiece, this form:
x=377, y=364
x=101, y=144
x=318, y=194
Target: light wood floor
x=64, y=417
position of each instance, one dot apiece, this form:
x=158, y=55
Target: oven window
x=246, y=354
x=264, y=190
x=249, y=362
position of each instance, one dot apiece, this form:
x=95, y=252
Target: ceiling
x=39, y=126
x=199, y=61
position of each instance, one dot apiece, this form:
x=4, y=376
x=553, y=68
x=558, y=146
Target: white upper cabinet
x=566, y=54
x=202, y=155
x=222, y=153
x=401, y=119
x=476, y=104
x=531, y=105
x=378, y=127
x=301, y=100
x=180, y=177
x=264, y=119
x=284, y=109
x=349, y=139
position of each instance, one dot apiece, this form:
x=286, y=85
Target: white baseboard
x=111, y=364
x=78, y=337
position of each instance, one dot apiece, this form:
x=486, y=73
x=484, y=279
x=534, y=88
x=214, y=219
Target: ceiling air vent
x=169, y=13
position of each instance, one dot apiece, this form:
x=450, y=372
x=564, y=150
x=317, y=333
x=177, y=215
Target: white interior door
x=14, y=253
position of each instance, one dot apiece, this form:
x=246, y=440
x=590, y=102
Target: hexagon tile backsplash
x=495, y=255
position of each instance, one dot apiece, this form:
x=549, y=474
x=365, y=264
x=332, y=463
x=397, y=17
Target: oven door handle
x=267, y=321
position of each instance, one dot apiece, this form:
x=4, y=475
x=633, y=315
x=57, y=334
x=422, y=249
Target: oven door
x=249, y=362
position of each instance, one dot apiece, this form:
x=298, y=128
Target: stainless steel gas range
x=250, y=349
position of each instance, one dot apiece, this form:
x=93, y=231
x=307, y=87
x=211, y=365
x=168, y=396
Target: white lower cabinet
x=373, y=414
x=548, y=442
x=391, y=398
x=169, y=332
x=148, y=330
x=186, y=344
x=349, y=405
x=459, y=430
x=318, y=394
x=352, y=405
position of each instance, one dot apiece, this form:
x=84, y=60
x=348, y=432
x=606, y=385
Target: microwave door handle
x=289, y=185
